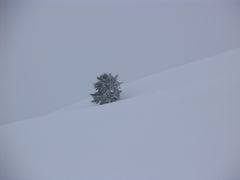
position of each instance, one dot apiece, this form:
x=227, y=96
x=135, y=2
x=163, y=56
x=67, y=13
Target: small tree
x=108, y=89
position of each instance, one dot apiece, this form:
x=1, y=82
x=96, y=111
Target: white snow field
x=181, y=124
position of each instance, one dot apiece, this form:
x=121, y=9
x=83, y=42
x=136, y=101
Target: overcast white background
x=51, y=51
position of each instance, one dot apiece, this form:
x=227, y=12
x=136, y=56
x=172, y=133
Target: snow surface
x=181, y=124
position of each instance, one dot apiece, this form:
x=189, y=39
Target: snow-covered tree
x=108, y=89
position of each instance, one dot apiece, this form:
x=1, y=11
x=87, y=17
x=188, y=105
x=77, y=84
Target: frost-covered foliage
x=108, y=89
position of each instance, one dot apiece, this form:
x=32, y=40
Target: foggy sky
x=51, y=51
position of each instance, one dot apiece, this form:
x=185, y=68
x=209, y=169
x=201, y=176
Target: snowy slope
x=181, y=124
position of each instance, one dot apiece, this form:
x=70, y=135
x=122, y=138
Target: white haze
x=53, y=50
